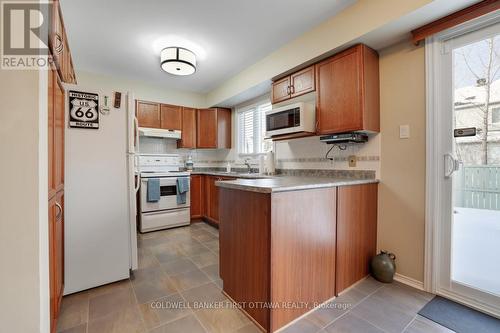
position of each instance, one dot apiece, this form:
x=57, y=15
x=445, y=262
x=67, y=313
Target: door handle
x=59, y=214
x=451, y=164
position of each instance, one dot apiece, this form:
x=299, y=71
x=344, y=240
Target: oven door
x=283, y=122
x=168, y=195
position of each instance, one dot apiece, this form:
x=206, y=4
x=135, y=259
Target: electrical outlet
x=352, y=161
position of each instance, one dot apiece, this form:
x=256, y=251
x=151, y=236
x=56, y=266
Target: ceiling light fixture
x=178, y=61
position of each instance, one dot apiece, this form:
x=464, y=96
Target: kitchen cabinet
x=55, y=127
x=205, y=197
x=59, y=46
x=299, y=83
x=280, y=90
x=213, y=128
x=148, y=114
x=56, y=254
x=197, y=196
x=294, y=246
x=170, y=117
x=356, y=233
x=59, y=127
x=188, y=135
x=347, y=86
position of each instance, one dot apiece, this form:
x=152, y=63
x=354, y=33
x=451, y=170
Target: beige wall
x=140, y=89
x=24, y=301
x=355, y=21
x=402, y=188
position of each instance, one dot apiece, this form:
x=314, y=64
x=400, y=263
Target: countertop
x=290, y=183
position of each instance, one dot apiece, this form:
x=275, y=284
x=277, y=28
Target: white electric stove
x=167, y=212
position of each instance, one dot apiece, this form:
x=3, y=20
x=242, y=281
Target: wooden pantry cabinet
x=347, y=86
x=299, y=83
x=56, y=127
x=59, y=46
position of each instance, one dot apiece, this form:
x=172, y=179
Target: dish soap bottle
x=189, y=163
x=228, y=167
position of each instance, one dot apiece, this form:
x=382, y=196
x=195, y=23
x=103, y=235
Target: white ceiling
x=123, y=38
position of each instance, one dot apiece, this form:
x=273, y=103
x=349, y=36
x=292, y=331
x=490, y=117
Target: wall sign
x=83, y=110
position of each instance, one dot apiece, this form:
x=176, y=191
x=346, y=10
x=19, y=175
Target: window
x=252, y=129
x=495, y=115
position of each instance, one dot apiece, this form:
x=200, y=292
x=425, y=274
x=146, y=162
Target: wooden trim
x=456, y=18
x=292, y=136
x=409, y=281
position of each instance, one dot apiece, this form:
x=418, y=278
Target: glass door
x=470, y=232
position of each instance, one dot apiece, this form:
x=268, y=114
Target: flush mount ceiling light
x=178, y=61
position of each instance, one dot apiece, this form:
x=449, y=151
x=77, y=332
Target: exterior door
x=468, y=268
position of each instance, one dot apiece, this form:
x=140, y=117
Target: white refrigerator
x=100, y=208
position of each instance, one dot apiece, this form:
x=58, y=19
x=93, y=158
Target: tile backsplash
x=305, y=153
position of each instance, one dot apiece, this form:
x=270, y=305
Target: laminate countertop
x=244, y=175
x=290, y=183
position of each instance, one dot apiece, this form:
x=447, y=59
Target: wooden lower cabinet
x=197, y=199
x=356, y=233
x=56, y=256
x=294, y=247
x=205, y=197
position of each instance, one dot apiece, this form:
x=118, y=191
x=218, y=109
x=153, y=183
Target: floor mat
x=459, y=318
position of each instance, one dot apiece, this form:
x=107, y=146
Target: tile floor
x=180, y=266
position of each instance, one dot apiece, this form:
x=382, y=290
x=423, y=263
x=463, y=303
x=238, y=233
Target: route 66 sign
x=83, y=110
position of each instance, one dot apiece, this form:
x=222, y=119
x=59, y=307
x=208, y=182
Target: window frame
x=239, y=142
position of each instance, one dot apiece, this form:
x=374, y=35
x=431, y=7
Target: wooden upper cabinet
x=148, y=114
x=171, y=117
x=59, y=46
x=347, y=87
x=281, y=90
x=59, y=126
x=299, y=83
x=206, y=134
x=302, y=82
x=188, y=139
x=213, y=128
x=223, y=128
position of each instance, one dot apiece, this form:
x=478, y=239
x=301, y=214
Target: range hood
x=160, y=133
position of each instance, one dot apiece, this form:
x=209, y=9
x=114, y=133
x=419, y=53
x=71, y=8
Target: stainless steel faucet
x=247, y=163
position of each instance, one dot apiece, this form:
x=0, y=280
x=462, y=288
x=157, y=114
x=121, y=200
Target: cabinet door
x=205, y=190
x=171, y=117
x=59, y=248
x=52, y=285
x=224, y=128
x=148, y=114
x=302, y=82
x=356, y=233
x=188, y=139
x=280, y=90
x=59, y=126
x=206, y=136
x=339, y=93
x=50, y=129
x=196, y=196
x=214, y=200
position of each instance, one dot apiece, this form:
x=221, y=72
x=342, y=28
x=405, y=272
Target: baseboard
x=409, y=281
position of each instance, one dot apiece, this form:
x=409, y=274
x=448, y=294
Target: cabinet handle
x=292, y=90
x=288, y=90
x=59, y=214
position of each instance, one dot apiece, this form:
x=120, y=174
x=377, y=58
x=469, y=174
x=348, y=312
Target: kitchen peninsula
x=294, y=242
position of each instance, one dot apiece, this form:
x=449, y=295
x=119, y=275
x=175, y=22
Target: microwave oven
x=292, y=118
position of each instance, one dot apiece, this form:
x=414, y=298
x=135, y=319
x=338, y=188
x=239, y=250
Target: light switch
x=404, y=131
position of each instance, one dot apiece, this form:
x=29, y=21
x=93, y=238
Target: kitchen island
x=289, y=244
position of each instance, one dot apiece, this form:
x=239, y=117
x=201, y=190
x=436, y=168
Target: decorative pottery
x=383, y=266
